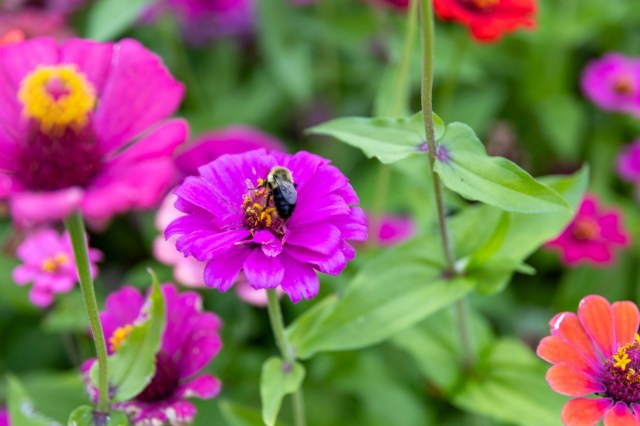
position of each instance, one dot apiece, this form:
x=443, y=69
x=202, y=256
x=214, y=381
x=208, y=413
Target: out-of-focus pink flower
x=629, y=163
x=592, y=236
x=32, y=23
x=81, y=123
x=391, y=229
x=204, y=20
x=596, y=352
x=56, y=6
x=49, y=264
x=233, y=225
x=613, y=83
x=396, y=4
x=190, y=340
x=4, y=417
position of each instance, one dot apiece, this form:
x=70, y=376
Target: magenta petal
x=40, y=297
x=121, y=308
x=202, y=344
x=161, y=142
x=92, y=58
x=138, y=92
x=203, y=387
x=300, y=281
x=323, y=238
x=30, y=208
x=222, y=271
x=263, y=271
x=271, y=246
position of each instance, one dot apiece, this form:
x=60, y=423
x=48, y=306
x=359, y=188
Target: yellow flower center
x=621, y=357
x=53, y=264
x=623, y=85
x=119, y=336
x=586, y=228
x=57, y=97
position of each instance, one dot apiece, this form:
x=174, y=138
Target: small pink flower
x=4, y=417
x=596, y=352
x=33, y=23
x=391, y=229
x=189, y=341
x=629, y=163
x=613, y=83
x=49, y=264
x=592, y=236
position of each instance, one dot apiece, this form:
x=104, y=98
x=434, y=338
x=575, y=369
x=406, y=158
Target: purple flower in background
x=204, y=20
x=70, y=115
x=613, y=83
x=629, y=163
x=4, y=417
x=391, y=229
x=189, y=342
x=231, y=222
x=48, y=263
x=32, y=23
x=57, y=6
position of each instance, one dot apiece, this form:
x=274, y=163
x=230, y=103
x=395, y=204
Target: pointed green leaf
x=387, y=139
x=110, y=18
x=278, y=380
x=466, y=169
x=132, y=367
x=21, y=407
x=86, y=416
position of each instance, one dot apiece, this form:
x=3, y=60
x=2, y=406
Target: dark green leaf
x=468, y=170
x=110, y=18
x=278, y=380
x=85, y=416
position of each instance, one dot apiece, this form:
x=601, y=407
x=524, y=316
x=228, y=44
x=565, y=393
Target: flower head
x=597, y=352
x=231, y=222
x=49, y=264
x=4, y=417
x=391, y=229
x=629, y=163
x=81, y=122
x=488, y=20
x=189, y=341
x=57, y=6
x=613, y=83
x=591, y=236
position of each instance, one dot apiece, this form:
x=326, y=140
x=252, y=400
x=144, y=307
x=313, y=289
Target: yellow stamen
x=53, y=264
x=57, y=97
x=621, y=360
x=119, y=336
x=638, y=338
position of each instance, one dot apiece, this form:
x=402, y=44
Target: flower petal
x=596, y=316
x=584, y=411
x=203, y=387
x=92, y=58
x=556, y=350
x=300, y=281
x=569, y=380
x=627, y=320
x=223, y=270
x=620, y=415
x=29, y=208
x=568, y=327
x=323, y=238
x=263, y=271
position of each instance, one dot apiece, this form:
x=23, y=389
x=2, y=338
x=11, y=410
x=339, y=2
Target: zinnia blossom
x=613, y=83
x=81, y=123
x=592, y=236
x=189, y=341
x=629, y=163
x=391, y=229
x=596, y=352
x=49, y=264
x=4, y=417
x=488, y=20
x=231, y=222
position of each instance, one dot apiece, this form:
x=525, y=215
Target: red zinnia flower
x=488, y=19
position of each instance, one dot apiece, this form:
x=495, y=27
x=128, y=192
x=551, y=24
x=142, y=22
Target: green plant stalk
x=427, y=112
x=75, y=225
x=286, y=350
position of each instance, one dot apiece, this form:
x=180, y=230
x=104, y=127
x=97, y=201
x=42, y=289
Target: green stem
x=76, y=228
x=465, y=337
x=286, y=350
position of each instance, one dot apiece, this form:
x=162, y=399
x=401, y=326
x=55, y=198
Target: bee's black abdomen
x=283, y=207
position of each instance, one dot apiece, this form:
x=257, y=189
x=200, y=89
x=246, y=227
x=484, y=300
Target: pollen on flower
x=623, y=85
x=53, y=264
x=621, y=376
x=119, y=336
x=586, y=228
x=57, y=97
x=259, y=212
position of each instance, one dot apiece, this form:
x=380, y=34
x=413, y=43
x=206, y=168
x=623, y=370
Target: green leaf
x=395, y=290
x=278, y=380
x=21, y=407
x=85, y=416
x=132, y=366
x=110, y=18
x=387, y=139
x=562, y=120
x=238, y=415
x=469, y=171
x=509, y=385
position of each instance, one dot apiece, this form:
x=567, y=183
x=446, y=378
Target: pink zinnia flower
x=229, y=224
x=59, y=6
x=81, y=123
x=596, y=352
x=592, y=235
x=189, y=342
x=613, y=83
x=4, y=417
x=629, y=163
x=49, y=264
x=391, y=229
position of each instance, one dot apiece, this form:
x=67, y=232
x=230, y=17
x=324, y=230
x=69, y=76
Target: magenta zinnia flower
x=4, y=417
x=629, y=163
x=592, y=236
x=189, y=342
x=391, y=229
x=49, y=264
x=81, y=123
x=613, y=83
x=229, y=225
x=596, y=352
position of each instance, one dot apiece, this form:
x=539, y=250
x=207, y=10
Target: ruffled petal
x=222, y=271
x=323, y=238
x=569, y=380
x=30, y=208
x=263, y=271
x=556, y=350
x=300, y=281
x=203, y=387
x=568, y=327
x=203, y=342
x=627, y=320
x=584, y=411
x=620, y=415
x=596, y=316
x=41, y=297
x=92, y=58
x=161, y=142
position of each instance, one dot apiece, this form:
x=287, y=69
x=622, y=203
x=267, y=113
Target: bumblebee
x=280, y=183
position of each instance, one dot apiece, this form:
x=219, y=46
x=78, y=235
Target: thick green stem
x=286, y=350
x=76, y=228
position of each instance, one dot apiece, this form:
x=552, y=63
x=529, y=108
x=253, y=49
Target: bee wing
x=287, y=190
